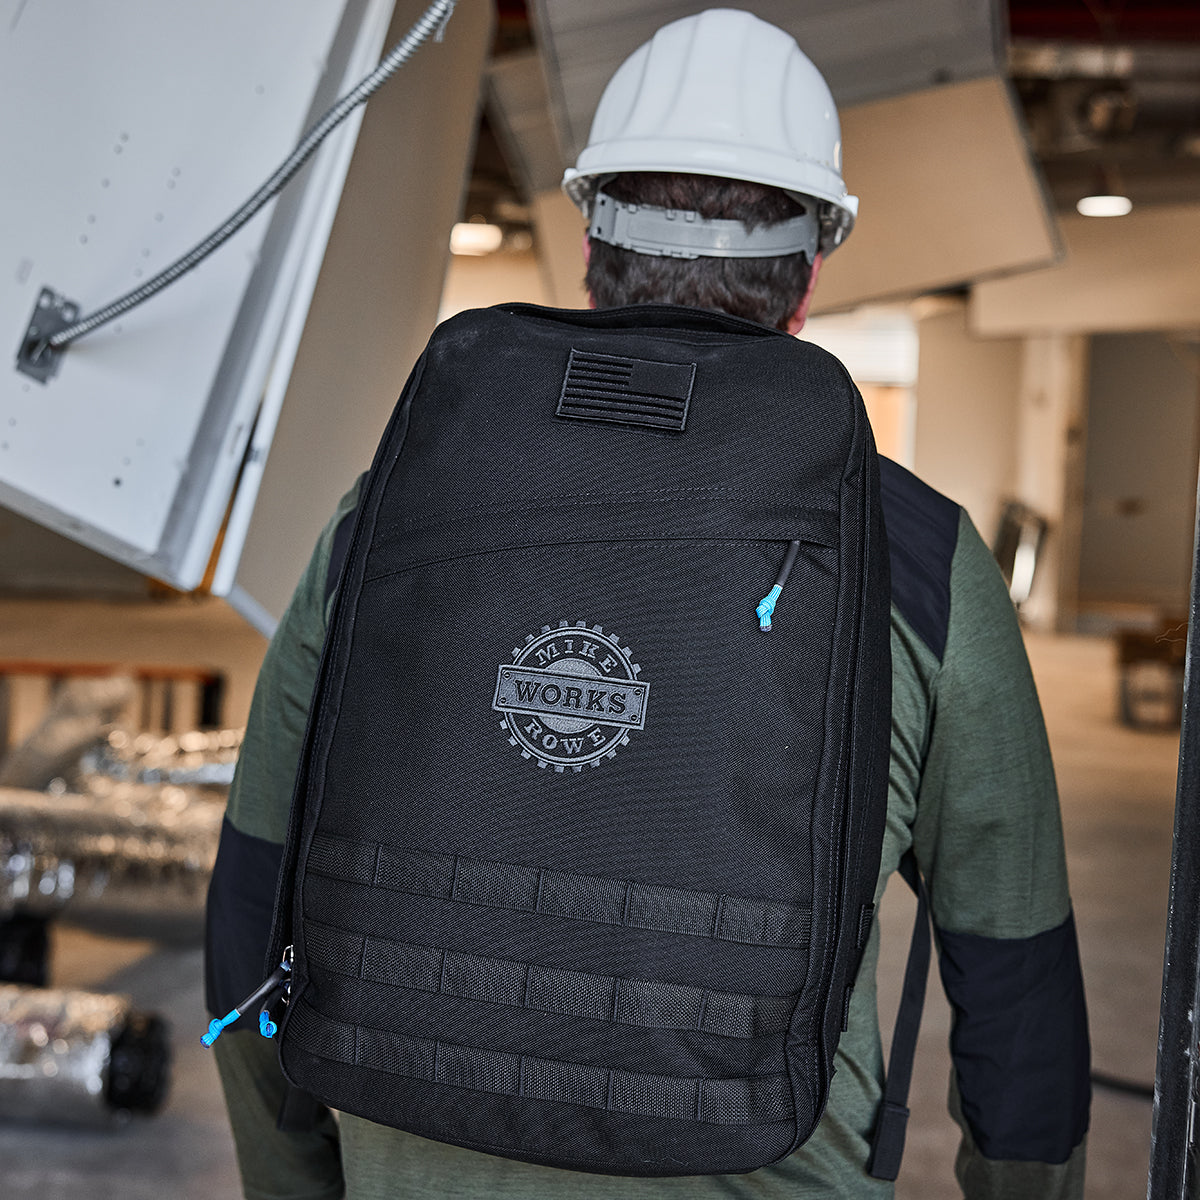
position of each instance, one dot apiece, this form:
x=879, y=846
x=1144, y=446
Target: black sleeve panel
x=338, y=552
x=241, y=898
x=1020, y=1041
x=922, y=529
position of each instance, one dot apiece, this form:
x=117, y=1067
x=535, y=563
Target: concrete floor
x=1117, y=790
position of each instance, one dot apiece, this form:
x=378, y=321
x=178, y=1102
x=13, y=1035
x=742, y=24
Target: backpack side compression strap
x=887, y=1146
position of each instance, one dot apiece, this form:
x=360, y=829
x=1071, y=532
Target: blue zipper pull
x=766, y=606
x=279, y=979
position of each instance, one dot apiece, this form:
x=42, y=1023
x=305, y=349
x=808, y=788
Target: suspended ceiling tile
x=1120, y=273
x=948, y=194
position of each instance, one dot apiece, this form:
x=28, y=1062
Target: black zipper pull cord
x=766, y=605
x=273, y=982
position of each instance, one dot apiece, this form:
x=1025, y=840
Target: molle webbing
x=642, y=1002
x=562, y=894
x=748, y=1101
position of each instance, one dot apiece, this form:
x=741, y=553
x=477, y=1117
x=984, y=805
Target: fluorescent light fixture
x=474, y=237
x=1104, y=206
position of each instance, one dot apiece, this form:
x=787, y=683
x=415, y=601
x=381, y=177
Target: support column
x=1050, y=447
x=965, y=440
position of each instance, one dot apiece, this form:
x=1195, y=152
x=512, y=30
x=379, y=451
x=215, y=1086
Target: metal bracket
x=35, y=356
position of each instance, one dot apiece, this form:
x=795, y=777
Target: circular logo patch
x=570, y=696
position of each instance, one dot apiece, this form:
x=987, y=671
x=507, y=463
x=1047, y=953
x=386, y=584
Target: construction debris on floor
x=119, y=837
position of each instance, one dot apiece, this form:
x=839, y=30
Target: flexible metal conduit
x=433, y=19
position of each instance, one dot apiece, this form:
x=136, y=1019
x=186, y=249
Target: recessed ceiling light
x=474, y=237
x=1104, y=206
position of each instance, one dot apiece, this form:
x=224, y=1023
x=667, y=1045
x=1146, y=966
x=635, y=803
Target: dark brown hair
x=766, y=290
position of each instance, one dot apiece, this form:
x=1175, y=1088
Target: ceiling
x=1108, y=91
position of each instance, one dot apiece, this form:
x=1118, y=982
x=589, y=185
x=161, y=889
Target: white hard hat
x=721, y=93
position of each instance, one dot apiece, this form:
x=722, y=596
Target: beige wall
x=551, y=273
x=890, y=410
x=1140, y=477
x=1097, y=435
x=1006, y=418
x=477, y=282
x=559, y=233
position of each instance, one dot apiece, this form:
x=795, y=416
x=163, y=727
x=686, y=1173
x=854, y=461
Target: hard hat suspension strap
x=679, y=233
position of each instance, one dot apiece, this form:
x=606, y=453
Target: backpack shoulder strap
x=887, y=1145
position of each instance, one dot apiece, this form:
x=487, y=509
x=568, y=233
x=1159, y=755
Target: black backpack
x=583, y=848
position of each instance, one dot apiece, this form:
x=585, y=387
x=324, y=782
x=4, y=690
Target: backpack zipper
x=766, y=606
x=278, y=981
x=397, y=430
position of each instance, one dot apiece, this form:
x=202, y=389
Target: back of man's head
x=768, y=290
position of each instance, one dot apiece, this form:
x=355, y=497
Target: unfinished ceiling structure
x=1111, y=94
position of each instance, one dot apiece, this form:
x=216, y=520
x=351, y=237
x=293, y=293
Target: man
x=713, y=179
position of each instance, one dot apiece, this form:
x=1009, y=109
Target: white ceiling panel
x=947, y=193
